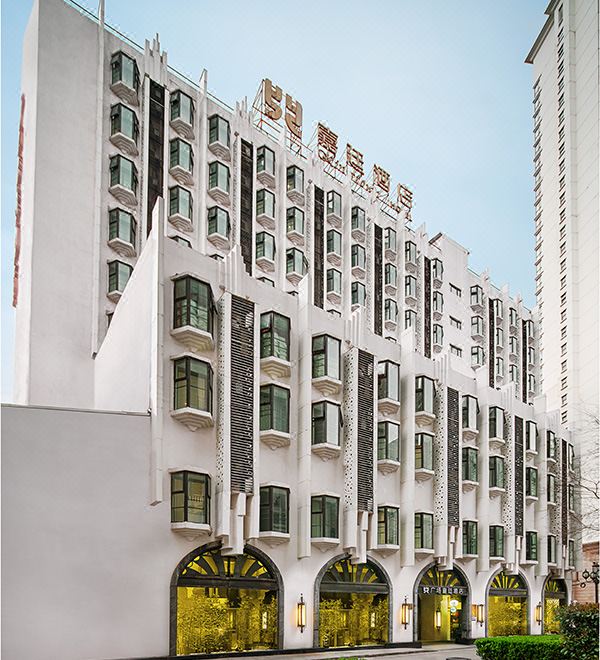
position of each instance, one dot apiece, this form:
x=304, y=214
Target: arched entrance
x=225, y=603
x=442, y=605
x=507, y=606
x=555, y=596
x=353, y=604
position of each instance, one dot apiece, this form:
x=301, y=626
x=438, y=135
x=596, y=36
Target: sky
x=435, y=92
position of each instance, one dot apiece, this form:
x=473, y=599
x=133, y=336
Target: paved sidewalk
x=428, y=652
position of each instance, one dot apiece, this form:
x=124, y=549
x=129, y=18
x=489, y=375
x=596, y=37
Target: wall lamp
x=480, y=613
x=538, y=613
x=301, y=614
x=405, y=611
x=438, y=619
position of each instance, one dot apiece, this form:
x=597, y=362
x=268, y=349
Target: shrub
x=579, y=627
x=520, y=647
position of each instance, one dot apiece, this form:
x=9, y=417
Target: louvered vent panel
x=427, y=305
x=518, y=476
x=318, y=247
x=378, y=299
x=524, y=361
x=453, y=431
x=366, y=368
x=564, y=512
x=156, y=145
x=491, y=342
x=246, y=204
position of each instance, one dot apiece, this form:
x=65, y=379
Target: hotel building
x=260, y=409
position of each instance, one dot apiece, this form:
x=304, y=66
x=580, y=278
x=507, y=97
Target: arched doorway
x=353, y=604
x=442, y=599
x=225, y=603
x=555, y=596
x=507, y=606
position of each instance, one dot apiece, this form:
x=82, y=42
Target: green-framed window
x=190, y=497
x=295, y=262
x=388, y=380
x=531, y=546
x=470, y=412
x=123, y=172
x=476, y=295
x=124, y=120
x=334, y=242
x=410, y=286
x=571, y=552
x=275, y=336
x=358, y=218
x=551, y=489
x=410, y=318
x=182, y=107
x=181, y=155
x=118, y=275
x=180, y=202
x=469, y=533
x=513, y=316
x=218, y=130
x=423, y=531
x=437, y=269
x=358, y=293
x=551, y=445
x=438, y=302
x=424, y=394
x=121, y=224
x=476, y=325
x=496, y=422
x=423, y=451
x=496, y=541
x=571, y=496
x=334, y=280
x=390, y=275
x=193, y=304
x=265, y=203
x=324, y=516
x=388, y=441
x=274, y=408
x=265, y=160
x=470, y=457
x=551, y=549
x=326, y=423
x=294, y=179
x=326, y=357
x=390, y=310
x=410, y=252
x=295, y=220
x=387, y=525
x=125, y=69
x=531, y=442
x=265, y=245
x=192, y=384
x=531, y=482
x=274, y=509
x=218, y=176
x=496, y=472
x=218, y=221
x=438, y=334
x=334, y=203
x=390, y=239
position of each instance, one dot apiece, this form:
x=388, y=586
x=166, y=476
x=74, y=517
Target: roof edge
x=543, y=32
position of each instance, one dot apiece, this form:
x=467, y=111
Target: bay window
x=496, y=422
x=469, y=464
x=334, y=280
x=180, y=202
x=295, y=179
x=531, y=546
x=470, y=412
x=358, y=218
x=423, y=451
x=118, y=275
x=324, y=516
x=326, y=357
x=410, y=286
x=274, y=408
x=496, y=541
x=531, y=482
x=122, y=225
x=124, y=120
x=469, y=529
x=387, y=525
x=218, y=176
x=388, y=441
x=265, y=246
x=334, y=203
x=123, y=172
x=496, y=472
x=326, y=423
x=334, y=242
x=192, y=384
x=295, y=220
x=265, y=203
x=265, y=160
x=190, y=497
x=423, y=531
x=359, y=293
x=274, y=509
x=182, y=107
x=275, y=336
x=424, y=394
x=390, y=275
x=124, y=69
x=192, y=304
x=358, y=256
x=388, y=380
x=218, y=221
x=218, y=130
x=181, y=155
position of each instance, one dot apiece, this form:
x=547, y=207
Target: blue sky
x=436, y=92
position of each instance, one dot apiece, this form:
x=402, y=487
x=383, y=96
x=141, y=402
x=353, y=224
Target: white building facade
x=333, y=427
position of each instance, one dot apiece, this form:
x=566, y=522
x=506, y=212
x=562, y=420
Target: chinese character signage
x=440, y=591
x=272, y=108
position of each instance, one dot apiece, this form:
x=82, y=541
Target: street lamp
x=591, y=576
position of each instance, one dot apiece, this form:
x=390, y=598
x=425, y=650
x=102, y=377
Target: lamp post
x=591, y=576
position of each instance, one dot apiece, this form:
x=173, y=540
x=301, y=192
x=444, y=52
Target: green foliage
x=520, y=647
x=579, y=627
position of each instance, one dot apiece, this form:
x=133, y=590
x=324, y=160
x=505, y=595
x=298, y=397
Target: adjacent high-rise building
x=256, y=409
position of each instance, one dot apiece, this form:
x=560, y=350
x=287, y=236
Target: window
x=571, y=553
x=180, y=202
x=455, y=323
x=358, y=218
x=530, y=436
x=390, y=239
x=182, y=107
x=123, y=173
x=193, y=384
x=551, y=549
x=388, y=441
x=326, y=423
x=551, y=445
x=218, y=221
x=470, y=412
x=531, y=382
x=218, y=130
x=513, y=345
x=390, y=275
x=500, y=367
x=476, y=295
x=410, y=252
x=181, y=240
x=295, y=261
x=334, y=280
x=265, y=203
x=512, y=316
x=390, y=311
x=334, y=203
x=387, y=525
x=477, y=326
x=476, y=356
x=124, y=120
x=118, y=275
x=498, y=307
x=496, y=472
x=551, y=489
x=266, y=281
x=438, y=334
x=513, y=373
x=531, y=546
x=274, y=509
x=531, y=482
x=571, y=496
x=121, y=225
x=181, y=155
x=265, y=246
x=192, y=304
x=423, y=451
x=218, y=176
x=455, y=290
x=265, y=160
x=424, y=394
x=496, y=423
x=275, y=336
x=324, y=516
x=124, y=69
x=388, y=380
x=437, y=269
x=326, y=357
x=359, y=293
x=456, y=350
x=469, y=528
x=469, y=464
x=423, y=531
x=274, y=408
x=499, y=337
x=438, y=302
x=334, y=242
x=295, y=220
x=190, y=497
x=571, y=457
x=410, y=318
x=410, y=287
x=358, y=255
x=531, y=355
x=496, y=541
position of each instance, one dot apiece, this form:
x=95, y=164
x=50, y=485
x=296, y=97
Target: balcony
x=220, y=195
x=359, y=272
x=193, y=418
x=358, y=235
x=496, y=491
x=265, y=263
x=275, y=439
x=274, y=538
x=191, y=531
x=220, y=241
x=121, y=247
x=387, y=465
x=469, y=485
x=195, y=339
x=334, y=258
x=220, y=150
x=124, y=143
x=267, y=179
x=296, y=197
x=325, y=543
x=470, y=436
x=326, y=450
x=423, y=474
x=295, y=237
x=181, y=175
x=181, y=223
x=424, y=418
x=327, y=385
x=388, y=406
x=334, y=219
x=334, y=297
x=276, y=367
x=125, y=92
x=184, y=128
x=124, y=195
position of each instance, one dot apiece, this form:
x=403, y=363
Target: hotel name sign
x=350, y=163
x=459, y=591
